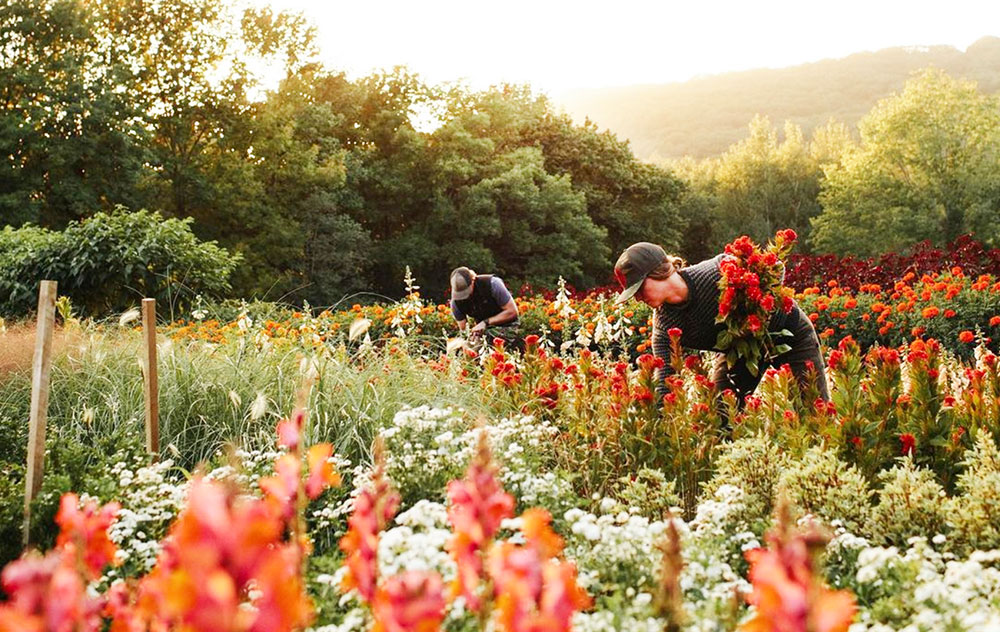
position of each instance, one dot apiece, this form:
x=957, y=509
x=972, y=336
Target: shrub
x=829, y=489
x=754, y=464
x=910, y=504
x=649, y=491
x=973, y=512
x=109, y=261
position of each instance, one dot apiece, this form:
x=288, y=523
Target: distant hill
x=704, y=116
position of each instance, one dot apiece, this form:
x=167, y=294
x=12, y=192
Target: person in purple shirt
x=485, y=299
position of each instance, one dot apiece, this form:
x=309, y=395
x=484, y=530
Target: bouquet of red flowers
x=751, y=290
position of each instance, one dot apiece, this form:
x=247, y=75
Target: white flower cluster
x=934, y=591
x=150, y=500
x=418, y=542
x=427, y=447
x=613, y=552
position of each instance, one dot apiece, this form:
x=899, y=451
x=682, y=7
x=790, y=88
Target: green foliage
x=110, y=261
x=926, y=168
x=824, y=486
x=755, y=465
x=972, y=514
x=758, y=186
x=648, y=491
x=910, y=503
x=76, y=460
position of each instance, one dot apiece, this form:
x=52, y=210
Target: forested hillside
x=326, y=186
x=704, y=116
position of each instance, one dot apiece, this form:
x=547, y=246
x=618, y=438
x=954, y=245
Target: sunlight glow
x=556, y=45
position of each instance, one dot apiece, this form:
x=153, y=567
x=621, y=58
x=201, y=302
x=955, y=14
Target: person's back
x=485, y=299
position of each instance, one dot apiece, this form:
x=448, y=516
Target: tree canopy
x=926, y=168
x=324, y=186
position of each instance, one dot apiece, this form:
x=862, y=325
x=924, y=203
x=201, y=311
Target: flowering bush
x=851, y=273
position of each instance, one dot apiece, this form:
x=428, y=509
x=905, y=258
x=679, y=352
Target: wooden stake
x=38, y=414
x=150, y=381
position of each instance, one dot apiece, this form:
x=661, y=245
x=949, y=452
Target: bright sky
x=556, y=45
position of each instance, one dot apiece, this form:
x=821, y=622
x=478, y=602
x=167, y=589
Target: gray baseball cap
x=634, y=265
x=461, y=283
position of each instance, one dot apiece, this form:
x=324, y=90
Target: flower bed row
x=956, y=309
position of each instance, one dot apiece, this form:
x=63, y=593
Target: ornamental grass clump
x=825, y=487
x=910, y=503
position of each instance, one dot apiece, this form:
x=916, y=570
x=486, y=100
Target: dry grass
x=17, y=348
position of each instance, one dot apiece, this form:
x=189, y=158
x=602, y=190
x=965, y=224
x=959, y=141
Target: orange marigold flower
x=966, y=336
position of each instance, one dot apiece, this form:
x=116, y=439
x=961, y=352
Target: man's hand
x=478, y=329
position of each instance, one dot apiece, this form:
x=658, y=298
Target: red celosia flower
x=674, y=332
x=788, y=235
x=907, y=443
x=649, y=362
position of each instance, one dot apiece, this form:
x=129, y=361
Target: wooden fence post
x=150, y=380
x=38, y=414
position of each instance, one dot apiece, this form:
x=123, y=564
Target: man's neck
x=676, y=290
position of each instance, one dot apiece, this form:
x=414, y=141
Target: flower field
x=538, y=488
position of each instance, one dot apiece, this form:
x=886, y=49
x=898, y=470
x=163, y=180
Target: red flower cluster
x=750, y=292
x=478, y=504
x=374, y=508
x=965, y=253
x=412, y=601
x=231, y=562
x=907, y=443
x=535, y=590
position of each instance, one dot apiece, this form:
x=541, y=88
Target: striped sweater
x=696, y=316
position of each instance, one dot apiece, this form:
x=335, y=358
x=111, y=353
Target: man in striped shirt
x=687, y=298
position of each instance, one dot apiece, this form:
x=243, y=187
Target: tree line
x=923, y=164
x=324, y=185
x=328, y=185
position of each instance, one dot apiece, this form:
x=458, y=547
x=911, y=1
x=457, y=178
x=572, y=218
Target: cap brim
x=629, y=292
x=462, y=295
